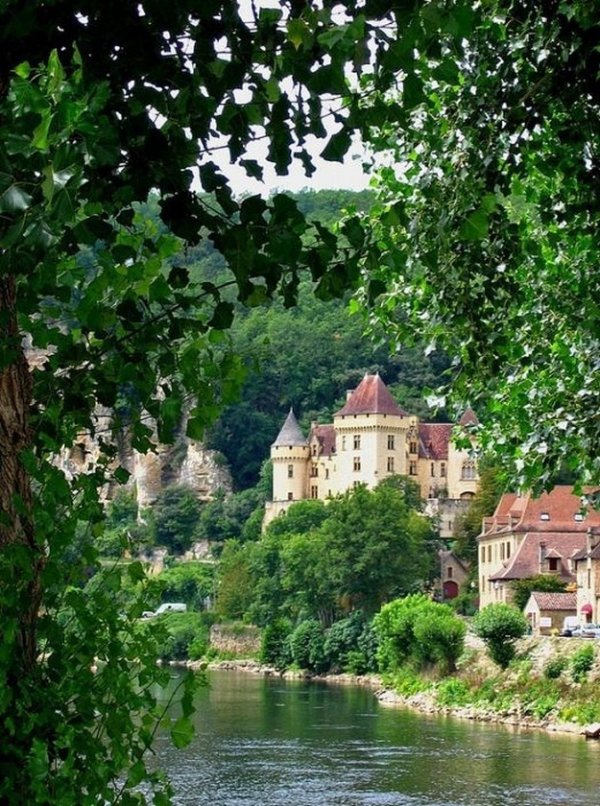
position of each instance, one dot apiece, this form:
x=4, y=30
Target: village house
x=587, y=571
x=370, y=439
x=454, y=575
x=546, y=612
x=528, y=536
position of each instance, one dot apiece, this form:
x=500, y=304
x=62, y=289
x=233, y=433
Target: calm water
x=264, y=742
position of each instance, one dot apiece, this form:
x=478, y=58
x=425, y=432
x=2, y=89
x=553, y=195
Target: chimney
x=542, y=553
x=349, y=393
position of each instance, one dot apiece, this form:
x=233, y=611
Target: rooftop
x=371, y=396
x=290, y=434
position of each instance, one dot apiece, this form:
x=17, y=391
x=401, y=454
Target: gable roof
x=525, y=562
x=551, y=512
x=469, y=418
x=555, y=601
x=434, y=439
x=290, y=433
x=325, y=436
x=371, y=396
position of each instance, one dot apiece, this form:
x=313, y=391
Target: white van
x=170, y=607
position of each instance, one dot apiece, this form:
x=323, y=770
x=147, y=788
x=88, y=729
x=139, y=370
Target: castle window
x=443, y=470
x=343, y=443
x=326, y=472
x=507, y=550
x=290, y=471
x=412, y=469
x=483, y=554
x=314, y=471
x=412, y=447
x=314, y=449
x=357, y=463
x=489, y=554
x=314, y=491
x=290, y=496
x=501, y=551
x=357, y=442
x=390, y=442
x=356, y=484
x=468, y=471
x=449, y=569
x=432, y=469
x=390, y=464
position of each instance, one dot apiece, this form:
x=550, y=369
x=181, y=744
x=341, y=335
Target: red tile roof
x=516, y=513
x=525, y=562
x=469, y=418
x=434, y=439
x=325, y=435
x=555, y=601
x=371, y=396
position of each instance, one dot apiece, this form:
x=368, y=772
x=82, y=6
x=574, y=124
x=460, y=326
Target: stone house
x=372, y=438
x=454, y=574
x=527, y=536
x=587, y=571
x=546, y=611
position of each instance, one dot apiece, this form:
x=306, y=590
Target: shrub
x=189, y=582
x=185, y=630
x=439, y=638
x=275, y=648
x=581, y=662
x=307, y=646
x=341, y=638
x=500, y=625
x=452, y=692
x=554, y=668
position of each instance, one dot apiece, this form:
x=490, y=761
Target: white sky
x=348, y=175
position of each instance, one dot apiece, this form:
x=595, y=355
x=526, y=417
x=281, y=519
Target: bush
x=185, y=631
x=554, y=668
x=307, y=646
x=341, y=638
x=500, y=625
x=581, y=662
x=275, y=647
x=419, y=631
x=452, y=692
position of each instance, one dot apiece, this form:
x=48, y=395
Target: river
x=265, y=742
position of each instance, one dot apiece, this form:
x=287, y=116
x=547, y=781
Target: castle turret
x=370, y=434
x=290, y=454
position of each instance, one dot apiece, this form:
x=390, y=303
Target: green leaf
x=337, y=147
x=299, y=33
x=40, y=133
x=14, y=200
x=136, y=571
x=182, y=732
x=121, y=475
x=475, y=228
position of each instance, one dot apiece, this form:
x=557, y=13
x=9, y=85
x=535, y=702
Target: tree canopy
x=484, y=240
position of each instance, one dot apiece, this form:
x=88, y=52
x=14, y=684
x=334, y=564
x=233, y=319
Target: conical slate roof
x=371, y=396
x=290, y=433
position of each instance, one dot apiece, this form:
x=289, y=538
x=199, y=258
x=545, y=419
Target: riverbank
x=547, y=687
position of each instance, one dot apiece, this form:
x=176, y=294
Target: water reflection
x=263, y=742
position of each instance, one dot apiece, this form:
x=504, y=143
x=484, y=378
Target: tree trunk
x=20, y=555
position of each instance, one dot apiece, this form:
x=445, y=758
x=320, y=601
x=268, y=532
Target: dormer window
x=544, y=516
x=578, y=516
x=552, y=564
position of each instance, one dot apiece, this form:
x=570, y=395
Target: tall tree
x=485, y=237
x=100, y=103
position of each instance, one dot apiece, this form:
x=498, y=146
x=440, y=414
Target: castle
x=371, y=438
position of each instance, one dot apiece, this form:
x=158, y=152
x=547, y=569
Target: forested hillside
x=307, y=357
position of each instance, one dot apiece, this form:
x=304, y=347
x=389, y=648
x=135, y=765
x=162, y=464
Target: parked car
x=166, y=607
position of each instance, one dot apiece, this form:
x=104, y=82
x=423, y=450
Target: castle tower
x=371, y=434
x=290, y=454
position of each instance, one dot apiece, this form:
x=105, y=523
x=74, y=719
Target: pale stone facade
x=370, y=439
x=587, y=571
x=528, y=536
